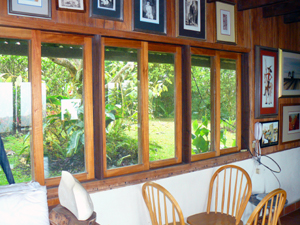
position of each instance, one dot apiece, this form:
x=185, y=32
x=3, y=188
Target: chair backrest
x=269, y=208
x=159, y=202
x=229, y=191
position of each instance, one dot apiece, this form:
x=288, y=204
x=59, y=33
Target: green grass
x=20, y=166
x=161, y=133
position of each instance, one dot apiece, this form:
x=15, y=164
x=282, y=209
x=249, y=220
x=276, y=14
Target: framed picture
x=270, y=133
x=190, y=18
x=289, y=73
x=149, y=16
x=107, y=9
x=225, y=13
x=266, y=82
x=290, y=123
x=71, y=5
x=31, y=8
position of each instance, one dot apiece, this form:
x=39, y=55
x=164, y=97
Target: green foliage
x=200, y=137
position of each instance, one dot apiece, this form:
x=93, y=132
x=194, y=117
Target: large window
x=15, y=110
x=46, y=119
x=142, y=106
x=154, y=106
x=215, y=102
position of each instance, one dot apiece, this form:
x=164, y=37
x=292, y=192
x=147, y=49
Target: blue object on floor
x=5, y=164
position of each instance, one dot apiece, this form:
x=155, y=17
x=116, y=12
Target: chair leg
x=279, y=222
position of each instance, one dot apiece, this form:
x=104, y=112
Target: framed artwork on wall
x=289, y=73
x=290, y=122
x=266, y=82
x=149, y=16
x=31, y=8
x=75, y=5
x=190, y=18
x=107, y=9
x=270, y=133
x=225, y=20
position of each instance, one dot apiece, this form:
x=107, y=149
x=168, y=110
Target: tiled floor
x=291, y=219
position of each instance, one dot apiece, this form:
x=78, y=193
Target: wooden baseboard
x=290, y=208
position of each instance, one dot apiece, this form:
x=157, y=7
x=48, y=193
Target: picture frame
x=191, y=19
x=226, y=22
x=149, y=16
x=289, y=73
x=74, y=5
x=270, y=133
x=290, y=122
x=108, y=9
x=30, y=8
x=266, y=82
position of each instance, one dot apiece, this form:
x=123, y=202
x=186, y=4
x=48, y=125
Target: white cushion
x=24, y=204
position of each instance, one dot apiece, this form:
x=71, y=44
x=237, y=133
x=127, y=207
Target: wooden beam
x=292, y=18
x=226, y=1
x=282, y=8
x=247, y=4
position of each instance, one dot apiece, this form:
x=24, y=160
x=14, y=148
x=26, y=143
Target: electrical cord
x=258, y=159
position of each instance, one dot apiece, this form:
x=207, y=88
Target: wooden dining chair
x=269, y=208
x=229, y=192
x=160, y=202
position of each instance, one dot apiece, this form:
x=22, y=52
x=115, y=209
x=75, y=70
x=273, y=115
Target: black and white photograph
x=72, y=5
x=225, y=22
x=148, y=11
x=190, y=18
x=150, y=16
x=107, y=4
x=107, y=9
x=192, y=15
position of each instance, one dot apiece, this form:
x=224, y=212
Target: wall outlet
x=257, y=171
x=253, y=144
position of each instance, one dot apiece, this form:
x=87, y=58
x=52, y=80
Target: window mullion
x=143, y=107
x=216, y=111
x=239, y=102
x=178, y=105
x=88, y=109
x=37, y=116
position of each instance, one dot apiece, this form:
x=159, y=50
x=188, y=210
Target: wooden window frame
x=215, y=102
x=35, y=38
x=144, y=48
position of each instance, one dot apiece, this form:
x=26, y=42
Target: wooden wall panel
x=271, y=32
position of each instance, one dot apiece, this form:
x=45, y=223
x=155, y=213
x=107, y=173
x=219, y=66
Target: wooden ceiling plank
x=251, y=4
x=282, y=8
x=292, y=17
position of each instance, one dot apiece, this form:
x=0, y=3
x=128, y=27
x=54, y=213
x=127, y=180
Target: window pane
x=228, y=104
x=121, y=107
x=201, y=104
x=161, y=106
x=63, y=109
x=15, y=110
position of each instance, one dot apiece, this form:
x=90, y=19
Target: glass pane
x=228, y=104
x=161, y=106
x=201, y=104
x=15, y=110
x=63, y=109
x=121, y=107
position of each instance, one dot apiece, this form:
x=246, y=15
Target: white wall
x=126, y=205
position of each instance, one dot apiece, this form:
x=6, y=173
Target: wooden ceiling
x=289, y=9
